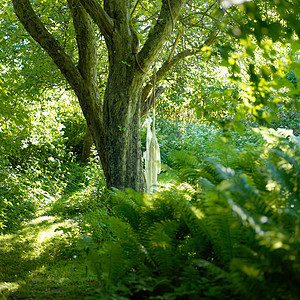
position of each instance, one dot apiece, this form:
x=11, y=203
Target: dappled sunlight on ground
x=42, y=219
x=7, y=288
x=42, y=258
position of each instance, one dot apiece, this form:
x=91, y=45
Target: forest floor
x=42, y=260
x=45, y=257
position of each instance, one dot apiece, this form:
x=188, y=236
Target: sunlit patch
x=37, y=272
x=263, y=219
x=272, y=186
x=251, y=271
x=40, y=232
x=277, y=245
x=148, y=200
x=6, y=242
x=229, y=3
x=161, y=244
x=48, y=234
x=7, y=288
x=42, y=219
x=187, y=189
x=285, y=165
x=198, y=213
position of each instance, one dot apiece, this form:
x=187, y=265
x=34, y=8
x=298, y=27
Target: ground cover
x=42, y=261
x=223, y=225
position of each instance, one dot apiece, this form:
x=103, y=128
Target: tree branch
x=99, y=16
x=86, y=96
x=86, y=41
x=37, y=30
x=175, y=45
x=146, y=105
x=169, y=64
x=135, y=6
x=160, y=32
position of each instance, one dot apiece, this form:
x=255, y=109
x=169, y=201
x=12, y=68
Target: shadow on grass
x=78, y=202
x=40, y=261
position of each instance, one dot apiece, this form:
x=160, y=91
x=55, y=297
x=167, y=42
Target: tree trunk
x=87, y=144
x=121, y=119
x=123, y=142
x=122, y=156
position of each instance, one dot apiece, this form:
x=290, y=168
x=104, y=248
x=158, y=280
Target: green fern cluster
x=230, y=234
x=157, y=247
x=252, y=215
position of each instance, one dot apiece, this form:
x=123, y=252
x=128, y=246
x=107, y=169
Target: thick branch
x=87, y=64
x=86, y=41
x=37, y=30
x=170, y=63
x=170, y=11
x=146, y=105
x=86, y=95
x=99, y=16
x=165, y=68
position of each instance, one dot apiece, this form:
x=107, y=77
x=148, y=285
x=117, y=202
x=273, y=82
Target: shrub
x=16, y=202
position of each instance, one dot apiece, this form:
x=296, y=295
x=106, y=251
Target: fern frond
x=191, y=169
x=224, y=231
x=161, y=247
x=284, y=168
x=219, y=226
x=127, y=206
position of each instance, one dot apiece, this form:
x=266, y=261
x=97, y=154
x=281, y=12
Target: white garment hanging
x=152, y=159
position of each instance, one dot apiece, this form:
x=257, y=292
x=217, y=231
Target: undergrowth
x=229, y=230
x=226, y=226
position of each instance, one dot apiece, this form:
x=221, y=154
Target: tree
x=135, y=33
x=114, y=121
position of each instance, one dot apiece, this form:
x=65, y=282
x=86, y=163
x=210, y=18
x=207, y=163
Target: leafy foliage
x=227, y=226
x=36, y=164
x=223, y=233
x=15, y=202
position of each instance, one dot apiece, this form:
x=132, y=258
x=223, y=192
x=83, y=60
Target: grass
x=43, y=260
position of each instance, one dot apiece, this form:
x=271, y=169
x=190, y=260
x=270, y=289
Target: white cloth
x=152, y=159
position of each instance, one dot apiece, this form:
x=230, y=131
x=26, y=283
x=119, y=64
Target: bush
x=181, y=136
x=74, y=132
x=36, y=156
x=16, y=202
x=84, y=184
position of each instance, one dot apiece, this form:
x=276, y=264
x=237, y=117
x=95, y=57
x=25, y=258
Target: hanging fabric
x=152, y=159
x=147, y=154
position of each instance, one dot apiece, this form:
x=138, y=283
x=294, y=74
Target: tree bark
x=87, y=145
x=122, y=114
x=122, y=104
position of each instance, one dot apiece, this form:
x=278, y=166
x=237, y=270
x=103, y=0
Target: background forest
x=224, y=223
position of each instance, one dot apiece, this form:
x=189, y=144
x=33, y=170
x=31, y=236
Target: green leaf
x=297, y=70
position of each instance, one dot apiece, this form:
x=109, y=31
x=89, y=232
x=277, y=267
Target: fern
x=234, y=234
x=219, y=224
x=276, y=245
x=265, y=269
x=160, y=245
